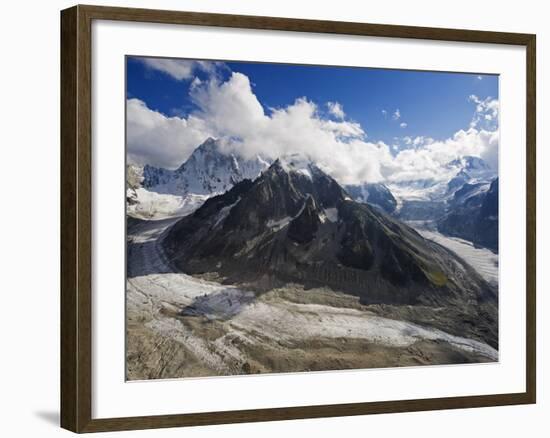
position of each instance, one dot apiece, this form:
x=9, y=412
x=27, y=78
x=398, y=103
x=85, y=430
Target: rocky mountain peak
x=288, y=227
x=209, y=170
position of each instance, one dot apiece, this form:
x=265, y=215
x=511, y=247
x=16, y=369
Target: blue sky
x=364, y=93
x=358, y=123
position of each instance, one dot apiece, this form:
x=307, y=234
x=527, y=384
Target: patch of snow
x=474, y=192
x=224, y=212
x=263, y=163
x=331, y=214
x=297, y=163
x=276, y=225
x=305, y=172
x=155, y=206
x=302, y=207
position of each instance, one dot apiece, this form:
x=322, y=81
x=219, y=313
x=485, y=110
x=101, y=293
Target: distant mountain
x=469, y=163
x=473, y=215
x=207, y=171
x=461, y=178
x=431, y=200
x=471, y=170
x=296, y=224
x=134, y=178
x=375, y=194
x=157, y=192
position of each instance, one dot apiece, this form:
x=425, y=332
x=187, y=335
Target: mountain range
x=463, y=205
x=453, y=205
x=296, y=224
x=473, y=214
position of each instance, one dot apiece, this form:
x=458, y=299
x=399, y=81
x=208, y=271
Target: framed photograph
x=268, y=218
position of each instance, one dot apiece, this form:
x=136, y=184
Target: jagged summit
x=208, y=170
x=296, y=163
x=210, y=146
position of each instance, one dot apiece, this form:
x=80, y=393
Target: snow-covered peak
x=208, y=170
x=206, y=151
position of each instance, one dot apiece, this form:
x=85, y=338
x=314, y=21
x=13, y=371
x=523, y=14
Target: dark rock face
x=473, y=215
x=459, y=180
x=466, y=192
x=303, y=228
x=375, y=194
x=487, y=226
x=421, y=210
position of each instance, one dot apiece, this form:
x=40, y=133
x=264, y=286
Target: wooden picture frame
x=76, y=217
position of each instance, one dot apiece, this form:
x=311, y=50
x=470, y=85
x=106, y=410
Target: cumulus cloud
x=336, y=109
x=384, y=113
x=396, y=114
x=153, y=138
x=427, y=159
x=402, y=125
x=229, y=109
x=180, y=69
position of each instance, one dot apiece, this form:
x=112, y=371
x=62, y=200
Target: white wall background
x=29, y=216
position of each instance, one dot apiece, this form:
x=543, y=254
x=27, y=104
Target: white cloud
x=180, y=69
x=422, y=141
x=336, y=109
x=230, y=110
x=153, y=138
x=428, y=158
x=480, y=78
x=417, y=141
x=396, y=115
x=384, y=113
x=486, y=112
x=402, y=125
